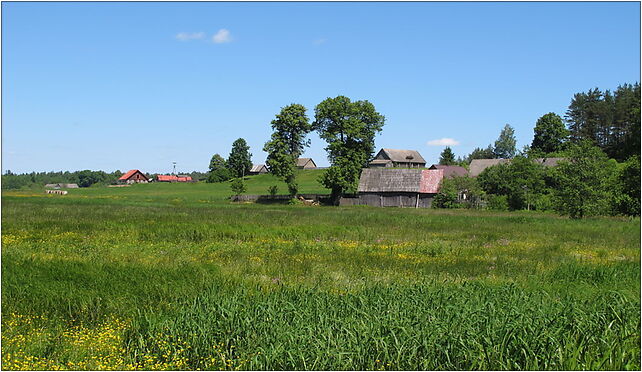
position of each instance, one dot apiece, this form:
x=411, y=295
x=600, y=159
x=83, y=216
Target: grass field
x=173, y=276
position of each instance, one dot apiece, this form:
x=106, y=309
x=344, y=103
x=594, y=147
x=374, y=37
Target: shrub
x=498, y=202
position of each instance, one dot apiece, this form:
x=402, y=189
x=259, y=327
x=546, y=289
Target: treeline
x=84, y=178
x=600, y=173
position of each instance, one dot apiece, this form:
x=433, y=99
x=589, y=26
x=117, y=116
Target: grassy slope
x=174, y=276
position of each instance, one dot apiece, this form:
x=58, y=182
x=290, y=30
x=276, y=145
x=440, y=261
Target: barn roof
x=549, y=162
x=478, y=165
x=403, y=156
x=301, y=162
x=451, y=171
x=129, y=174
x=400, y=180
x=258, y=167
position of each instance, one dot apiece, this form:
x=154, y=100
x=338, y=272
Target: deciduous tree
x=349, y=129
x=505, y=146
x=240, y=160
x=288, y=140
x=550, y=134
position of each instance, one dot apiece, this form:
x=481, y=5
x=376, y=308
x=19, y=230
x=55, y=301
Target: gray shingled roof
x=549, y=162
x=478, y=165
x=451, y=170
x=398, y=180
x=404, y=156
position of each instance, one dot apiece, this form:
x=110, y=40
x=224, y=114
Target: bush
x=238, y=186
x=273, y=190
x=498, y=202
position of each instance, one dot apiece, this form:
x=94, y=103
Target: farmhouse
x=384, y=187
x=179, y=178
x=451, y=171
x=305, y=163
x=133, y=176
x=258, y=169
x=398, y=158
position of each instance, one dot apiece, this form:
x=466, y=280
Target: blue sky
x=138, y=85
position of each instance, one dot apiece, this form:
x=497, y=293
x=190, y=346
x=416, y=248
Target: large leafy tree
x=550, y=134
x=521, y=181
x=447, y=157
x=240, y=160
x=349, y=129
x=218, y=171
x=479, y=153
x=288, y=140
x=583, y=183
x=505, y=146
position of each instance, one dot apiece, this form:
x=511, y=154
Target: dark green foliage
x=497, y=202
x=447, y=157
x=288, y=140
x=626, y=191
x=582, y=185
x=459, y=192
x=550, y=134
x=218, y=170
x=521, y=181
x=611, y=121
x=349, y=129
x=240, y=160
x=479, y=153
x=505, y=146
x=273, y=190
x=238, y=186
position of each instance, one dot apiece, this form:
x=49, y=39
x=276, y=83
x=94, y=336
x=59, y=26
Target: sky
x=119, y=86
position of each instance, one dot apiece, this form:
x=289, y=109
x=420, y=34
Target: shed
x=61, y=186
x=305, y=163
x=398, y=158
x=451, y=171
x=133, y=176
x=258, y=169
x=389, y=187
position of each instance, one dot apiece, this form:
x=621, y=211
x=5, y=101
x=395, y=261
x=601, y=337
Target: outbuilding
x=133, y=176
x=258, y=169
x=389, y=187
x=305, y=163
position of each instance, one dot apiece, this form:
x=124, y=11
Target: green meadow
x=174, y=276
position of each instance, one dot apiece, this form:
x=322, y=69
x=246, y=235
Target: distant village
x=394, y=178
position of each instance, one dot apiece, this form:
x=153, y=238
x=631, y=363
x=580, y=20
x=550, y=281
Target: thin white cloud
x=222, y=36
x=443, y=142
x=185, y=36
x=319, y=41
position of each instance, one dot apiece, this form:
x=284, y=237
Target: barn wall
x=406, y=200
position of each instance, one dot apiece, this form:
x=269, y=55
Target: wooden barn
x=61, y=186
x=451, y=171
x=397, y=158
x=133, y=176
x=386, y=187
x=258, y=169
x=305, y=163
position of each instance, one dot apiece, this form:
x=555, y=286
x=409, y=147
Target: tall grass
x=176, y=277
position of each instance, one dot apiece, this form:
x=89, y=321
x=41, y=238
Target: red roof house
x=134, y=176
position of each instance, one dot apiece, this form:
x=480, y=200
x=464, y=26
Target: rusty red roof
x=126, y=176
x=431, y=180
